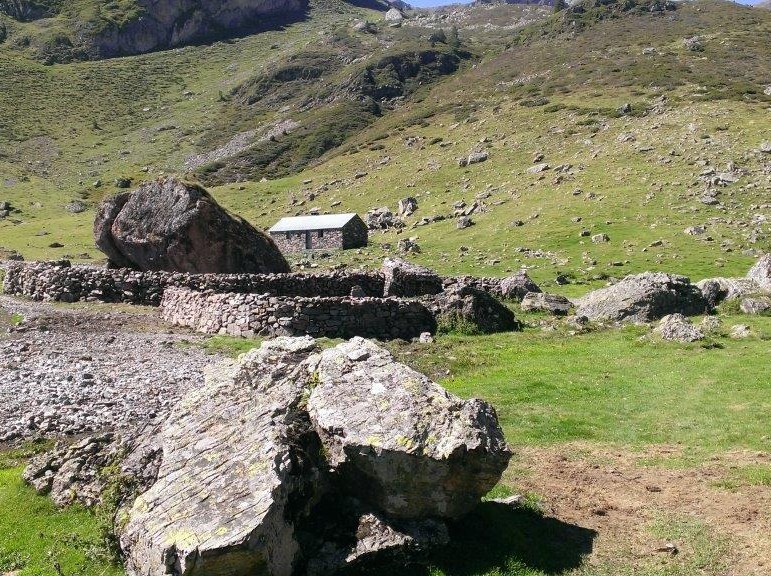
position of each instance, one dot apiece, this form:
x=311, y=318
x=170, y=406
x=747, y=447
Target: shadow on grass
x=499, y=536
x=504, y=540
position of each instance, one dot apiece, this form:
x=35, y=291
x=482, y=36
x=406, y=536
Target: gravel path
x=79, y=369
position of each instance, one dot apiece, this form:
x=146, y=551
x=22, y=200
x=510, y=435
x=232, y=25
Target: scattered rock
x=695, y=230
x=643, y=298
x=740, y=331
x=694, y=44
x=382, y=219
x=678, y=328
x=543, y=302
x=538, y=168
x=408, y=246
x=123, y=182
x=407, y=206
x=473, y=158
x=76, y=207
x=600, y=238
x=172, y=225
x=464, y=222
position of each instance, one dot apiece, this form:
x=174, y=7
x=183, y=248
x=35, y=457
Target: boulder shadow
x=499, y=537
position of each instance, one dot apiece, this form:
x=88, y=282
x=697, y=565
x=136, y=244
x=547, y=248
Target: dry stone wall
x=61, y=282
x=249, y=315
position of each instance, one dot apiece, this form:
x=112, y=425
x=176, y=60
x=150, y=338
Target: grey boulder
x=678, y=328
x=468, y=305
x=643, y=298
x=515, y=287
x=177, y=226
x=399, y=441
x=543, y=302
x=293, y=460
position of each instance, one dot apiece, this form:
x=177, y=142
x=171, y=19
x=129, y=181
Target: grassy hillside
x=262, y=106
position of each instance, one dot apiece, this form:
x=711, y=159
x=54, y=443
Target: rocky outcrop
x=175, y=226
x=260, y=470
x=643, y=298
x=466, y=307
x=161, y=24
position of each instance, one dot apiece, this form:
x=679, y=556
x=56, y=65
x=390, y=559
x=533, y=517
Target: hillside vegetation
x=292, y=119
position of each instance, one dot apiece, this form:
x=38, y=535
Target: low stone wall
x=249, y=315
x=60, y=282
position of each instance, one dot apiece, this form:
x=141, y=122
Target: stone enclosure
x=399, y=301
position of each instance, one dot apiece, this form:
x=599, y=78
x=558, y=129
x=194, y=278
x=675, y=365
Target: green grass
x=612, y=387
x=36, y=537
x=229, y=345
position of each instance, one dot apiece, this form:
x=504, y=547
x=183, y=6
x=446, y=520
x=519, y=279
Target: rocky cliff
x=163, y=24
x=99, y=29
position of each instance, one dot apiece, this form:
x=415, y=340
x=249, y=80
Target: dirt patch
x=616, y=494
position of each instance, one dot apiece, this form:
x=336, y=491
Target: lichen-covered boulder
x=233, y=466
x=177, y=226
x=399, y=441
x=296, y=461
x=643, y=298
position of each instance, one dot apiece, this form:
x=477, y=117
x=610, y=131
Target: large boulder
x=176, y=226
x=236, y=454
x=405, y=279
x=465, y=306
x=292, y=461
x=643, y=298
x=543, y=302
x=400, y=442
x=716, y=290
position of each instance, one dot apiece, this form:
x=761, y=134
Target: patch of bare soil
x=615, y=494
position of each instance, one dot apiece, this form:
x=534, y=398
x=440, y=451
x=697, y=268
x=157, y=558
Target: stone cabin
x=328, y=232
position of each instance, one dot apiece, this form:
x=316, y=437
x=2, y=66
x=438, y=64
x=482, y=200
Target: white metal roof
x=299, y=223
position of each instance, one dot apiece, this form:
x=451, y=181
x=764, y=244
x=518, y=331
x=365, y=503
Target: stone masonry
x=249, y=315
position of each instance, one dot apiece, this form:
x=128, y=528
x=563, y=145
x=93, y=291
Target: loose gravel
x=67, y=371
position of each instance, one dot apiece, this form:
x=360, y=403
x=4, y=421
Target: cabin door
x=307, y=239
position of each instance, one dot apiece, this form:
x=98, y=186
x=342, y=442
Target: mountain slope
x=637, y=173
